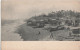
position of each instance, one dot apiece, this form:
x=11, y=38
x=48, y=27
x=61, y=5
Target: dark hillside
x=58, y=25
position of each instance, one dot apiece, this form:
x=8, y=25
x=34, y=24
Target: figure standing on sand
x=51, y=35
x=38, y=35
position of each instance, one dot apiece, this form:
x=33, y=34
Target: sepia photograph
x=40, y=20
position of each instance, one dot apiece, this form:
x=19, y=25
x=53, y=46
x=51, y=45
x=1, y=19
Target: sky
x=24, y=9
